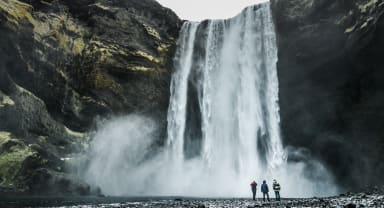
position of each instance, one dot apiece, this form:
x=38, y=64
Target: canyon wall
x=63, y=65
x=331, y=73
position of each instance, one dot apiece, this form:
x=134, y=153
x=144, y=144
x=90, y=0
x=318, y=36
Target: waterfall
x=233, y=83
x=179, y=89
x=223, y=122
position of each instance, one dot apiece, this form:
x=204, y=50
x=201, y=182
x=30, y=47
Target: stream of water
x=223, y=122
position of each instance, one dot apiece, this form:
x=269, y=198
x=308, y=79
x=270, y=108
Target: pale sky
x=197, y=10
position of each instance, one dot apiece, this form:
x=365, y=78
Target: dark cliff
x=65, y=63
x=331, y=74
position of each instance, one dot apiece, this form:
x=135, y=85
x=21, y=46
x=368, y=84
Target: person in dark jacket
x=276, y=188
x=253, y=188
x=265, y=190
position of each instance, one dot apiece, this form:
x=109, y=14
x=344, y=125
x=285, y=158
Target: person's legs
x=278, y=194
x=268, y=197
x=253, y=194
x=263, y=196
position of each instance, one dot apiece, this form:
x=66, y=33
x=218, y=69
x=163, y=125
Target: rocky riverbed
x=345, y=200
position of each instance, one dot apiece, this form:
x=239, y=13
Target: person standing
x=276, y=188
x=265, y=190
x=253, y=188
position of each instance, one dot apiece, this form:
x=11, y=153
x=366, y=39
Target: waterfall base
x=223, y=122
x=123, y=162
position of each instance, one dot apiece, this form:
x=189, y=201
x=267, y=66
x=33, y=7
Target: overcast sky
x=197, y=10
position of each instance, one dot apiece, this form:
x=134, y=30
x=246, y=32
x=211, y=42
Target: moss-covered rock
x=65, y=63
x=13, y=154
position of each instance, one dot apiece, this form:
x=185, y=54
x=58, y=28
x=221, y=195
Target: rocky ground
x=365, y=199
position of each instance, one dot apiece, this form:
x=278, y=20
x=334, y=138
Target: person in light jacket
x=276, y=187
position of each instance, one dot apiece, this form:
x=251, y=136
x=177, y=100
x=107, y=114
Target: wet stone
x=347, y=201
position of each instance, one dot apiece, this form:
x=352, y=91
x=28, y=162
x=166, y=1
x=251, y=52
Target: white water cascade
x=231, y=67
x=223, y=122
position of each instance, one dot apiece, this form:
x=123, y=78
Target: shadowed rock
x=65, y=63
x=331, y=83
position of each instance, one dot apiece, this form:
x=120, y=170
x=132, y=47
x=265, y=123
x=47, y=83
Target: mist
x=117, y=154
x=121, y=163
x=223, y=123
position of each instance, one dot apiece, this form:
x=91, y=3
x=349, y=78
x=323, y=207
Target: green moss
x=147, y=56
x=16, y=11
x=78, y=46
x=364, y=25
x=141, y=69
x=163, y=50
x=365, y=7
x=68, y=34
x=152, y=32
x=102, y=81
x=350, y=29
x=11, y=159
x=4, y=136
x=104, y=7
x=105, y=53
x=5, y=100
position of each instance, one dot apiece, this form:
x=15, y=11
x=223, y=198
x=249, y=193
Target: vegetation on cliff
x=63, y=64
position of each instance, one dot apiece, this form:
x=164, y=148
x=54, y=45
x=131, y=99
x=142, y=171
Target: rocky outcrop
x=65, y=63
x=331, y=83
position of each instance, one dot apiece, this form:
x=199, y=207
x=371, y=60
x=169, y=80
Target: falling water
x=223, y=120
x=179, y=89
x=233, y=76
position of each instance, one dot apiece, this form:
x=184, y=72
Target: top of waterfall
x=198, y=10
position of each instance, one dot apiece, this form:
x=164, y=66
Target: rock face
x=331, y=83
x=63, y=64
